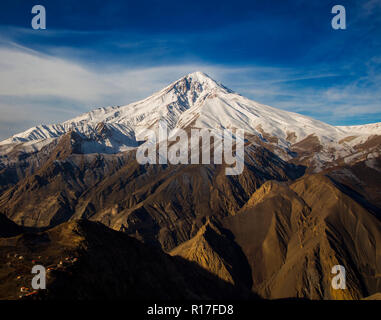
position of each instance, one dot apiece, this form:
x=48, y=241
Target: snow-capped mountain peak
x=168, y=103
x=195, y=100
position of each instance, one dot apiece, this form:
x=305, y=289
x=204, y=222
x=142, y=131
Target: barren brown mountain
x=308, y=198
x=87, y=260
x=293, y=234
x=162, y=205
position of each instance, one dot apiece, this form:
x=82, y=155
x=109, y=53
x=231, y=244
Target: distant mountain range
x=309, y=197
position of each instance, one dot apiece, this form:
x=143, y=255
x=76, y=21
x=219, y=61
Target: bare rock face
x=277, y=229
x=212, y=249
x=292, y=236
x=361, y=181
x=161, y=205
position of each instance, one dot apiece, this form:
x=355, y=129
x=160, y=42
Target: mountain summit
x=308, y=198
x=168, y=104
x=196, y=100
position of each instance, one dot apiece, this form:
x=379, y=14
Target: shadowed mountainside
x=159, y=204
x=8, y=228
x=292, y=236
x=87, y=260
x=213, y=250
x=308, y=199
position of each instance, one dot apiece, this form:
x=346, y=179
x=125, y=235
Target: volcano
x=307, y=199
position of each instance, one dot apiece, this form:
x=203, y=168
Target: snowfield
x=195, y=101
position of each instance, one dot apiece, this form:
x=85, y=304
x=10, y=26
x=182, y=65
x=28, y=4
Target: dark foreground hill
x=86, y=260
x=8, y=228
x=308, y=198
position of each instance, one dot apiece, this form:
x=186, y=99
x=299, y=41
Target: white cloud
x=37, y=88
x=27, y=73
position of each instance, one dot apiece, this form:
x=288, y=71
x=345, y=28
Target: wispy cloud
x=39, y=88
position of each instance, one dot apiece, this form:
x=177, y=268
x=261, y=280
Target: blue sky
x=98, y=53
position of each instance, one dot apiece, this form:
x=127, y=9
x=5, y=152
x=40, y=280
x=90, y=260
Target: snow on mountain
x=195, y=100
x=368, y=129
x=167, y=104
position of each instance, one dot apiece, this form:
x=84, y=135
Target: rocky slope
x=212, y=249
x=293, y=234
x=198, y=101
x=86, y=260
x=276, y=229
x=162, y=205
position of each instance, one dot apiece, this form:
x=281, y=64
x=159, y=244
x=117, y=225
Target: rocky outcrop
x=292, y=236
x=213, y=250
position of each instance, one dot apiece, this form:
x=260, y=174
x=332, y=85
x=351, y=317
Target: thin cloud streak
x=39, y=88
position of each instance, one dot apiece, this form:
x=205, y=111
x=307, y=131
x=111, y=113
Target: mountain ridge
x=275, y=229
x=198, y=101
